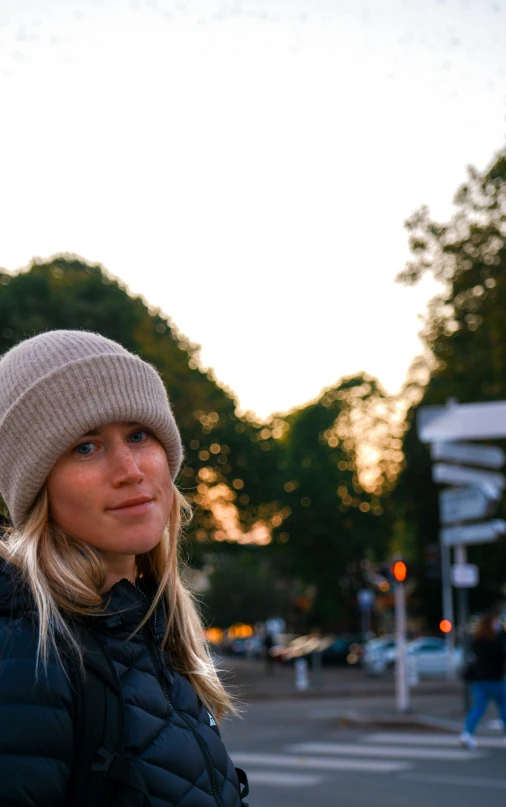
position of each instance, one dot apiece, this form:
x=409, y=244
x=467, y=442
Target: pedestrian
x=268, y=645
x=89, y=451
x=485, y=673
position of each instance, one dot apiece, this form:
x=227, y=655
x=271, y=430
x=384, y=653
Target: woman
x=486, y=675
x=89, y=451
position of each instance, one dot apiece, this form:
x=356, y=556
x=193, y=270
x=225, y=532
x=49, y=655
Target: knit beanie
x=59, y=385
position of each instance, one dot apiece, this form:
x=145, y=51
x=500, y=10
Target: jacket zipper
x=154, y=651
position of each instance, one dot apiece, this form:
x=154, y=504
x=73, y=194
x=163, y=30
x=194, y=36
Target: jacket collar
x=125, y=604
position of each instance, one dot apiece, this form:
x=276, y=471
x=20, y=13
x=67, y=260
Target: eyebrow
x=96, y=432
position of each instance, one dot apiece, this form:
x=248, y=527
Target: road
x=297, y=755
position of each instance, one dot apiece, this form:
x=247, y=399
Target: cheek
x=74, y=496
x=160, y=477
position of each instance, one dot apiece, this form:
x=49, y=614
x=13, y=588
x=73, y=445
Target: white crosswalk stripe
x=430, y=739
x=285, y=779
x=396, y=751
x=318, y=763
x=305, y=764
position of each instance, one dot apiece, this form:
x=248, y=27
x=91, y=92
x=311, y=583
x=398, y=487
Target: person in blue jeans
x=487, y=684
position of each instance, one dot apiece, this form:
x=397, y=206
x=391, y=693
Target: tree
x=465, y=351
x=244, y=587
x=326, y=516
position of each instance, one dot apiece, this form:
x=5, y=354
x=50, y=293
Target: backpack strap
x=102, y=775
x=243, y=780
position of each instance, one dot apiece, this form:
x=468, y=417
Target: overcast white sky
x=247, y=166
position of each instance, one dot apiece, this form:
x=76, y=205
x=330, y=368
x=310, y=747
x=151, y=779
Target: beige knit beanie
x=59, y=385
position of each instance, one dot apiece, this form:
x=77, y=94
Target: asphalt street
x=297, y=753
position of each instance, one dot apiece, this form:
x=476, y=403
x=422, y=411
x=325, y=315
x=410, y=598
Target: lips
x=133, y=502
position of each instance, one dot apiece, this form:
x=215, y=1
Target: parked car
x=344, y=650
x=427, y=657
x=431, y=656
x=334, y=650
x=379, y=655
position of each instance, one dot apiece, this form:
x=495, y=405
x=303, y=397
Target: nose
x=124, y=467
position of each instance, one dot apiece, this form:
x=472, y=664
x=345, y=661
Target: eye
x=139, y=436
x=84, y=449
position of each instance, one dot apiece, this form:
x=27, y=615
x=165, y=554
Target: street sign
x=365, y=599
x=459, y=475
x=275, y=625
x=465, y=504
x=483, y=532
x=475, y=421
x=465, y=575
x=469, y=454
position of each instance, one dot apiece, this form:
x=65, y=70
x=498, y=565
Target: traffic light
x=445, y=626
x=399, y=571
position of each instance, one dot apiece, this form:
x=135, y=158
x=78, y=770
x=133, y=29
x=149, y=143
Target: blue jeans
x=483, y=693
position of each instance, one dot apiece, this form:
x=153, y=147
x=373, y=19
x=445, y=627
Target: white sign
x=475, y=421
x=464, y=575
x=481, y=533
x=464, y=504
x=365, y=598
x=469, y=453
x=459, y=475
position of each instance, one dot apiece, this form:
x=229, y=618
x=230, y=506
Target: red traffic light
x=445, y=626
x=400, y=571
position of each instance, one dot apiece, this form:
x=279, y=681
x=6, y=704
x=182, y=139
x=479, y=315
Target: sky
x=247, y=166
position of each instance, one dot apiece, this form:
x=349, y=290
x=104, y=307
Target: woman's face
x=112, y=489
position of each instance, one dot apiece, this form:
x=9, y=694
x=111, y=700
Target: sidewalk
x=251, y=680
x=358, y=700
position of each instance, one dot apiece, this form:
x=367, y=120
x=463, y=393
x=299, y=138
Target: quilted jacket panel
x=169, y=733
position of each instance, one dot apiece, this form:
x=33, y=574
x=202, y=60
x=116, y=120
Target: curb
x=241, y=691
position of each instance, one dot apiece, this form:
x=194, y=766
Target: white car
x=430, y=656
x=426, y=657
x=379, y=655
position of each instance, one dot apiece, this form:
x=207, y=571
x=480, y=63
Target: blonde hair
x=66, y=576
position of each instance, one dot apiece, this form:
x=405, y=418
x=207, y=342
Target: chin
x=141, y=545
x=133, y=544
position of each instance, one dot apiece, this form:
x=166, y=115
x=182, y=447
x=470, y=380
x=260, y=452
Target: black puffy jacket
x=490, y=657
x=170, y=736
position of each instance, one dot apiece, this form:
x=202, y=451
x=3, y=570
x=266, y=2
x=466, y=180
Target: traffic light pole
x=447, y=595
x=401, y=681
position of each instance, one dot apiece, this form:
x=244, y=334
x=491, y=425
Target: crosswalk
x=307, y=764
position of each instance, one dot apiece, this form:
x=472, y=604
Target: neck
x=119, y=568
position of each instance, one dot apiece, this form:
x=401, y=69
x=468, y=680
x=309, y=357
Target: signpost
x=465, y=575
x=484, y=532
x=469, y=453
x=475, y=421
x=476, y=492
x=460, y=475
x=464, y=504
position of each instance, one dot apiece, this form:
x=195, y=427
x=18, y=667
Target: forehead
x=121, y=424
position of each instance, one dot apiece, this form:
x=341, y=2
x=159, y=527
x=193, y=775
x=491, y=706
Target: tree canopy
x=465, y=356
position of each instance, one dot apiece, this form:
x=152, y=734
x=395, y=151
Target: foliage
x=326, y=518
x=244, y=587
x=465, y=357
